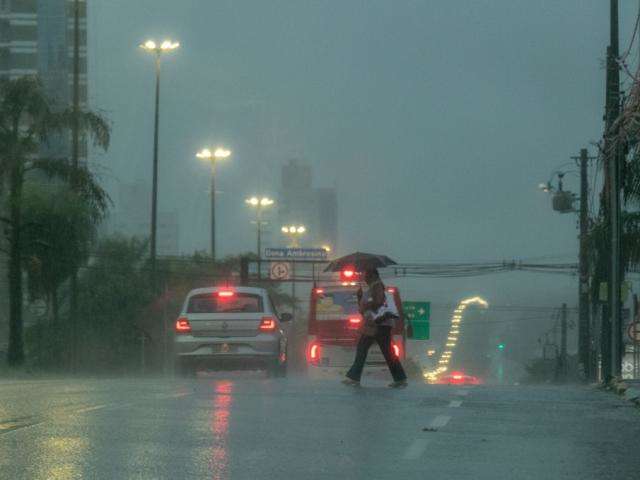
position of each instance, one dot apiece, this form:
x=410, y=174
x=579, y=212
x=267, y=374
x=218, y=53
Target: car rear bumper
x=259, y=346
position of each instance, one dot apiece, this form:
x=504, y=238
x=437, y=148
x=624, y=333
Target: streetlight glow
x=165, y=46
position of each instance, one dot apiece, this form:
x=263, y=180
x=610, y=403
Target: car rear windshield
x=238, y=303
x=336, y=303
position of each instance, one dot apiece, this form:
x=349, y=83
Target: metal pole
x=259, y=240
x=584, y=333
x=213, y=209
x=293, y=288
x=563, y=342
x=154, y=191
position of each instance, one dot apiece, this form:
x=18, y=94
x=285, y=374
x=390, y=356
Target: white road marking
x=416, y=449
x=89, y=409
x=455, y=403
x=440, y=421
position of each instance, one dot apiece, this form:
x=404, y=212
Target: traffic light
x=501, y=346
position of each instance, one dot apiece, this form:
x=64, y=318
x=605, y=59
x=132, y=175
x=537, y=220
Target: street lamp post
x=294, y=232
x=259, y=204
x=157, y=50
x=213, y=157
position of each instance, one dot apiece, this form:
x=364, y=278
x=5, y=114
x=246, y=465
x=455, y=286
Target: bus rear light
x=183, y=325
x=354, y=322
x=313, y=353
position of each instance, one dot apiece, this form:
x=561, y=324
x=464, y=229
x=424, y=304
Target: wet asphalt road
x=246, y=426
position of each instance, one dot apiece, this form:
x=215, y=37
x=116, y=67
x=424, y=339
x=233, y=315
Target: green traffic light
x=501, y=346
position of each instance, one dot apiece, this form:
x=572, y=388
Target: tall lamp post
x=157, y=50
x=212, y=157
x=294, y=232
x=259, y=204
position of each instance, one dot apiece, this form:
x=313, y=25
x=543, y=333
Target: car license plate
x=224, y=348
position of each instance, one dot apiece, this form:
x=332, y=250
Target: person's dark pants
x=383, y=338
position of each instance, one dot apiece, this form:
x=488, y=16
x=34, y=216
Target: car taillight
x=226, y=293
x=313, y=353
x=183, y=325
x=354, y=322
x=319, y=291
x=267, y=324
x=396, y=349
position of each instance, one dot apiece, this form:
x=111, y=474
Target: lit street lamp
x=156, y=49
x=294, y=232
x=212, y=157
x=259, y=204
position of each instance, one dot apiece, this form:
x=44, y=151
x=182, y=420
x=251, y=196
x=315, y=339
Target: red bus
x=334, y=327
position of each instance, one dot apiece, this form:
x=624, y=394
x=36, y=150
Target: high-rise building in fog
x=301, y=203
x=37, y=38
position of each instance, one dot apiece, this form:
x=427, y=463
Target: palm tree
x=27, y=121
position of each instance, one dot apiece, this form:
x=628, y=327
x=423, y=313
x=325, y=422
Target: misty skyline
x=437, y=120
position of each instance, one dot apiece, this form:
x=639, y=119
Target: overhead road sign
x=295, y=253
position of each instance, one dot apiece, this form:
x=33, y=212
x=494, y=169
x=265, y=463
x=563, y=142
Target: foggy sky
x=436, y=118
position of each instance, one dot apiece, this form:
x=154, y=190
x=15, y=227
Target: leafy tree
x=27, y=121
x=57, y=230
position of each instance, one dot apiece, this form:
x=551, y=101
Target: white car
x=230, y=327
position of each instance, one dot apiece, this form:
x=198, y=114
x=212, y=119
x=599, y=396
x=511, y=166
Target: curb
x=628, y=392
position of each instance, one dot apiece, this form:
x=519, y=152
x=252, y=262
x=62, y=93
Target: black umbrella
x=361, y=261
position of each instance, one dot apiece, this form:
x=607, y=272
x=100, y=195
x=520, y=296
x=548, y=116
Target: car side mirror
x=286, y=317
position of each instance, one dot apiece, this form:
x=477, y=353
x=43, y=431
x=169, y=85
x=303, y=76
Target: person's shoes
x=399, y=384
x=350, y=382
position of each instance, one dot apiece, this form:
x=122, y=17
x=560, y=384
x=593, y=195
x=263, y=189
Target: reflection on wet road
x=240, y=425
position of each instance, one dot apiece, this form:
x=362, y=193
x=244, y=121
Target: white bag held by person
x=388, y=312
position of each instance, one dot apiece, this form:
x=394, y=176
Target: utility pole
x=613, y=163
x=584, y=321
x=611, y=206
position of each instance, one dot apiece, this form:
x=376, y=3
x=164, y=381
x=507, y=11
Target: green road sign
x=418, y=314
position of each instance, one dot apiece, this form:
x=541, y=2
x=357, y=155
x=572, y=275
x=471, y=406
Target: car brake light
x=319, y=291
x=267, y=324
x=313, y=353
x=355, y=321
x=391, y=290
x=226, y=293
x=396, y=349
x=183, y=325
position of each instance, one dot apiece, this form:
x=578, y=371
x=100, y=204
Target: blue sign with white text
x=296, y=253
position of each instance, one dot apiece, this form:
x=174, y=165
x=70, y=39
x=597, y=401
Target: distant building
x=301, y=203
x=36, y=38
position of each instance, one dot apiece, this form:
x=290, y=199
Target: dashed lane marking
x=455, y=403
x=440, y=421
x=89, y=409
x=416, y=449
